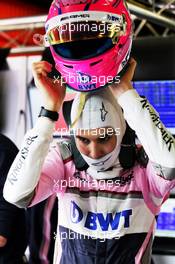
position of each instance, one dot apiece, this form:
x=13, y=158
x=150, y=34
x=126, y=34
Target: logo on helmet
x=83, y=78
x=104, y=112
x=114, y=18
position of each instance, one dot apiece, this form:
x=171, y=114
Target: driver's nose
x=96, y=151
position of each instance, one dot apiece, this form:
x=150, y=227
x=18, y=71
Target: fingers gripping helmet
x=90, y=40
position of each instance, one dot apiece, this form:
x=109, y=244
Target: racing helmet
x=90, y=41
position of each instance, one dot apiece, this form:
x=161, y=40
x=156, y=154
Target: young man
x=106, y=213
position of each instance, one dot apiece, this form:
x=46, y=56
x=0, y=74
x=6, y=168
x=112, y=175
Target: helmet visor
x=83, y=49
x=83, y=30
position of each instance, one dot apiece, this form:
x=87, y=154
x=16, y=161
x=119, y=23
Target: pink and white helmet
x=90, y=40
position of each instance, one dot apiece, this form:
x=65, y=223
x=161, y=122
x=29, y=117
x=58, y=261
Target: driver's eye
x=104, y=139
x=84, y=140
